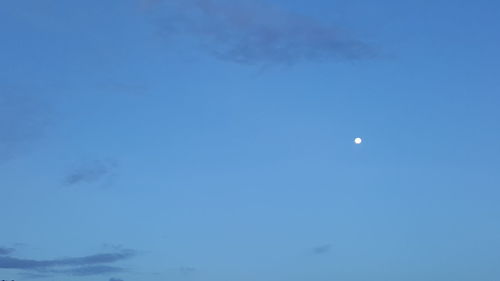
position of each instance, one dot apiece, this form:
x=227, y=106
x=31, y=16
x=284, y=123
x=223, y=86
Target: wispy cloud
x=90, y=173
x=6, y=251
x=254, y=32
x=93, y=270
x=186, y=270
x=76, y=271
x=98, y=258
x=79, y=266
x=322, y=249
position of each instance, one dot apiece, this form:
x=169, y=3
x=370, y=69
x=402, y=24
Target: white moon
x=358, y=140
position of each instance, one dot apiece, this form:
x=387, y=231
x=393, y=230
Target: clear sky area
x=214, y=140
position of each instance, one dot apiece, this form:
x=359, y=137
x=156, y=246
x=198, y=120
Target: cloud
x=6, y=251
x=34, y=275
x=93, y=270
x=99, y=258
x=253, y=32
x=321, y=250
x=186, y=270
x=90, y=173
x=76, y=271
x=11, y=263
x=77, y=266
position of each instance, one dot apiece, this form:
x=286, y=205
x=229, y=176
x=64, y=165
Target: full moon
x=358, y=140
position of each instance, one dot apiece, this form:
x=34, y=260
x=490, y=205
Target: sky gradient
x=212, y=140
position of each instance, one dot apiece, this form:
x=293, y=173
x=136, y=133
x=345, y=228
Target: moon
x=358, y=140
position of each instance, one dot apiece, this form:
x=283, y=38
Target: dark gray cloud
x=90, y=173
x=321, y=250
x=6, y=251
x=10, y=263
x=253, y=32
x=78, y=266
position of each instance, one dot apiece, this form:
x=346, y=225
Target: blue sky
x=213, y=140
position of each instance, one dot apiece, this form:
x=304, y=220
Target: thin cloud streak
x=323, y=249
x=90, y=173
x=93, y=270
x=11, y=262
x=256, y=32
x=79, y=266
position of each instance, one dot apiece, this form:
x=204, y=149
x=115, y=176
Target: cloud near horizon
x=6, y=251
x=77, y=266
x=255, y=32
